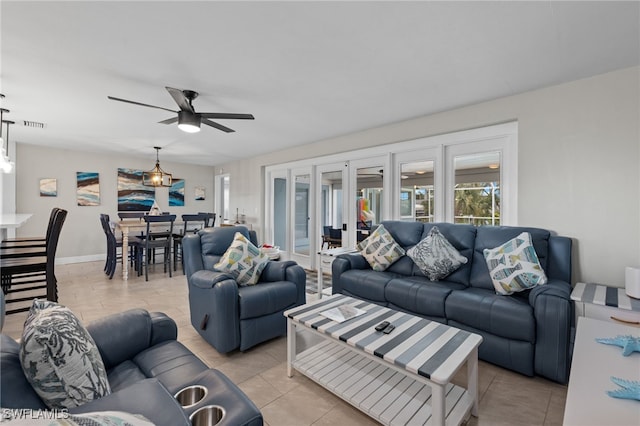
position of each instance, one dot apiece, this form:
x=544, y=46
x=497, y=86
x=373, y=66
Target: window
x=477, y=189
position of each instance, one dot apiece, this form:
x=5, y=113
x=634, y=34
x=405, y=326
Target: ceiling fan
x=188, y=119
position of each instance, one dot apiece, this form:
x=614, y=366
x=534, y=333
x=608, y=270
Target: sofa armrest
x=342, y=264
x=192, y=254
x=121, y=336
x=163, y=328
x=146, y=397
x=553, y=312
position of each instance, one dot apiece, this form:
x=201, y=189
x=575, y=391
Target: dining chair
x=155, y=240
x=200, y=220
x=131, y=215
x=210, y=219
x=24, y=242
x=113, y=244
x=21, y=276
x=335, y=237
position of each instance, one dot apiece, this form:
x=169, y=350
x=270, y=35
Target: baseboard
x=80, y=259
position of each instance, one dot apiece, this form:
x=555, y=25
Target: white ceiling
x=307, y=71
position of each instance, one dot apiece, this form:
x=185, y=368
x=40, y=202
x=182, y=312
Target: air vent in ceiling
x=35, y=124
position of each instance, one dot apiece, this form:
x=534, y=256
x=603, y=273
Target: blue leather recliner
x=227, y=315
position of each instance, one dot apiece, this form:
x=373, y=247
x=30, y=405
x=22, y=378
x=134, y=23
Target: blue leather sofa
x=527, y=332
x=229, y=316
x=146, y=366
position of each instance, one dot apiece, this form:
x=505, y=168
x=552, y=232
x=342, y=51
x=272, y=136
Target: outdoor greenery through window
x=416, y=191
x=477, y=189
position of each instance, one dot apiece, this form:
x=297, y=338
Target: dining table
x=128, y=227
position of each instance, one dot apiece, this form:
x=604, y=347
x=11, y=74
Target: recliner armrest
x=205, y=278
x=275, y=271
x=555, y=288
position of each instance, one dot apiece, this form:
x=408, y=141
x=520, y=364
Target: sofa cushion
x=259, y=300
x=59, y=358
x=243, y=260
x=509, y=317
x=380, y=249
x=435, y=256
x=15, y=390
x=366, y=284
x=489, y=237
x=419, y=295
x=124, y=374
x=514, y=265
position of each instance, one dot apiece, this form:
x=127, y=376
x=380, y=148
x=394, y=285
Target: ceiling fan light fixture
x=156, y=176
x=188, y=122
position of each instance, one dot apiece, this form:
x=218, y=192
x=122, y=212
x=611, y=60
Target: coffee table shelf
x=384, y=394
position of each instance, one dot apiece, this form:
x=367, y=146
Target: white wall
x=578, y=164
x=82, y=237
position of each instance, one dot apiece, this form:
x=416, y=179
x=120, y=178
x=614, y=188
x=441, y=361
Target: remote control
x=389, y=329
x=382, y=325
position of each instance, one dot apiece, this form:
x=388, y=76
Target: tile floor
x=506, y=398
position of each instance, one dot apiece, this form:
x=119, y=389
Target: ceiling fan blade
x=216, y=125
x=169, y=120
x=139, y=103
x=180, y=98
x=226, y=115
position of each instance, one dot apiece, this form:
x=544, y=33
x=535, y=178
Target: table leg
x=437, y=404
x=125, y=256
x=472, y=380
x=291, y=346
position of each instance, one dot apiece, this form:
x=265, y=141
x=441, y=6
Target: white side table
x=605, y=303
x=326, y=258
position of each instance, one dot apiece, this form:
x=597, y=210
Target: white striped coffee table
x=401, y=378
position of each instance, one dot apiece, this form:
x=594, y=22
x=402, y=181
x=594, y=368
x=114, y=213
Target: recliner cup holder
x=191, y=395
x=208, y=415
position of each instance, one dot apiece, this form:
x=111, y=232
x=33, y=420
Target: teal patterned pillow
x=59, y=357
x=380, y=249
x=243, y=260
x=514, y=266
x=435, y=256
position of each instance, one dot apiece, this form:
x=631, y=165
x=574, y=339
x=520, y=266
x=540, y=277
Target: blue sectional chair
x=528, y=332
x=227, y=315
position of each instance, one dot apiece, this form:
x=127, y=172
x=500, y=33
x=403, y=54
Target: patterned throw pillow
x=380, y=249
x=59, y=357
x=514, y=266
x=243, y=260
x=435, y=256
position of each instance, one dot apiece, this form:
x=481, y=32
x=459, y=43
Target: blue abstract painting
x=132, y=194
x=88, y=192
x=176, y=193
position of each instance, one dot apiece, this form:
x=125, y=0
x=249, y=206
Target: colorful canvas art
x=176, y=193
x=48, y=187
x=88, y=192
x=132, y=194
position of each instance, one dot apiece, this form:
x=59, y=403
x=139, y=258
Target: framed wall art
x=132, y=194
x=48, y=187
x=176, y=193
x=88, y=188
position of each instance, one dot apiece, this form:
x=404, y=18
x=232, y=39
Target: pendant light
x=157, y=176
x=6, y=165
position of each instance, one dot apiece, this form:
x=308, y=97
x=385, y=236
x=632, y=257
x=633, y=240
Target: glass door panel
x=477, y=188
x=417, y=191
x=280, y=213
x=331, y=214
x=370, y=206
x=301, y=213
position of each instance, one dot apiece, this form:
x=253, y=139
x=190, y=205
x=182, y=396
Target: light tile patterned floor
x=506, y=398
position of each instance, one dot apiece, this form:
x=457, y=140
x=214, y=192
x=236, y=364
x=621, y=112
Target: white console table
x=593, y=365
